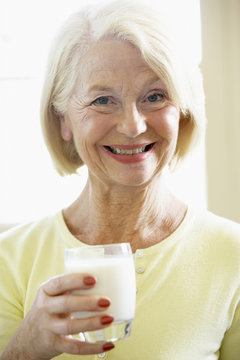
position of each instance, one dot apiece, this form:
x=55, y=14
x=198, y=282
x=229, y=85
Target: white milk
x=115, y=280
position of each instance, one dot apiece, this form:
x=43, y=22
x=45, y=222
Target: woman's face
x=124, y=127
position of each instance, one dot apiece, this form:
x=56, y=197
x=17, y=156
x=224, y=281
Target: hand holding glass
x=113, y=267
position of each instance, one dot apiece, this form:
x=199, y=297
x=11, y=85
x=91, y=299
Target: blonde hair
x=130, y=21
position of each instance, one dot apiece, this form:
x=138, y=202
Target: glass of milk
x=113, y=267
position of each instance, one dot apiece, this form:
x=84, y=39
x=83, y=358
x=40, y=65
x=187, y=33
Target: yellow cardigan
x=188, y=287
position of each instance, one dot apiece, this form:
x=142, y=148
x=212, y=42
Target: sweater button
x=102, y=355
x=139, y=254
x=140, y=270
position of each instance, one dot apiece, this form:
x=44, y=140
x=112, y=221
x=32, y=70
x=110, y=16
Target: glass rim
x=126, y=247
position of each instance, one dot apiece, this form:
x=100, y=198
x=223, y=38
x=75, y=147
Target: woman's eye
x=155, y=97
x=103, y=100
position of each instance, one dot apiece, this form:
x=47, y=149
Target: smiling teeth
x=127, y=151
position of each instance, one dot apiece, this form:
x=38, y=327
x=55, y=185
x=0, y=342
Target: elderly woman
x=118, y=98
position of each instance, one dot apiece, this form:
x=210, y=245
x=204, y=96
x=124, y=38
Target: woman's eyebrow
x=153, y=81
x=99, y=87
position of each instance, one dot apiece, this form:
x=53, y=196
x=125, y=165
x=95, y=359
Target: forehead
x=110, y=60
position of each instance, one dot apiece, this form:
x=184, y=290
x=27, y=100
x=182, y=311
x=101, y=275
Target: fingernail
x=108, y=346
x=106, y=319
x=103, y=303
x=89, y=280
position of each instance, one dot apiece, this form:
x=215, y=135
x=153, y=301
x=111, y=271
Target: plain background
x=221, y=72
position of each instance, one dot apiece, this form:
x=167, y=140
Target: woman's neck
x=141, y=215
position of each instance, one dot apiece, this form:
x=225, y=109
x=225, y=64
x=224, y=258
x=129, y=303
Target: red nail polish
x=89, y=280
x=108, y=346
x=103, y=303
x=106, y=319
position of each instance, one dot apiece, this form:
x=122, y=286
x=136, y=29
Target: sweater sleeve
x=11, y=308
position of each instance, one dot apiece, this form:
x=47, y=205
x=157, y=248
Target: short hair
x=133, y=22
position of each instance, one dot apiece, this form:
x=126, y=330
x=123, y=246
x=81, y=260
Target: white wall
x=221, y=71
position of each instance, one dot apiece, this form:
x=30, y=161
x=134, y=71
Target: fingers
x=68, y=303
x=74, y=326
x=49, y=324
x=66, y=282
x=74, y=346
x=59, y=302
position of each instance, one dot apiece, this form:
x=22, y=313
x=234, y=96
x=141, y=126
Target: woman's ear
x=66, y=131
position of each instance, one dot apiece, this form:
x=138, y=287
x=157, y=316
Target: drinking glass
x=113, y=267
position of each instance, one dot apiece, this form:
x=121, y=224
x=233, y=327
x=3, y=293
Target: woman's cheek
x=166, y=121
x=99, y=125
x=91, y=128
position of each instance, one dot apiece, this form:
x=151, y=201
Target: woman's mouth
x=129, y=154
x=129, y=150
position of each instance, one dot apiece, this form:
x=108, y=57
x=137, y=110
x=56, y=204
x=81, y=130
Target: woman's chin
x=133, y=179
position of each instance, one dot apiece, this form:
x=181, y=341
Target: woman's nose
x=131, y=122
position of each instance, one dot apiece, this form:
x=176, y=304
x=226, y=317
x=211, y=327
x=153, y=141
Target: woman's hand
x=46, y=330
